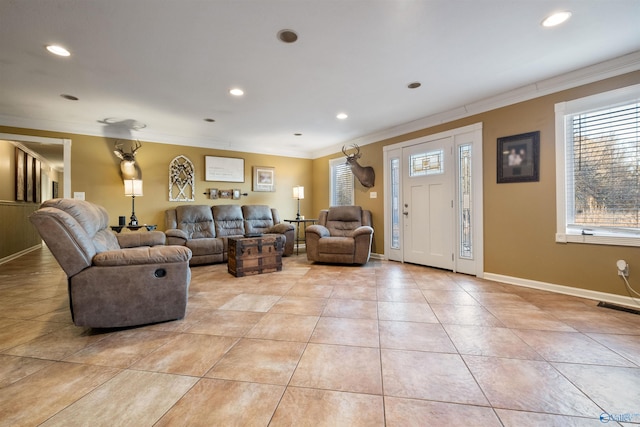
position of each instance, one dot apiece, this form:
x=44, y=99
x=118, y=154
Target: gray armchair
x=343, y=235
x=114, y=280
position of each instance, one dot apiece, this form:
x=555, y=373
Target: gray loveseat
x=114, y=280
x=205, y=229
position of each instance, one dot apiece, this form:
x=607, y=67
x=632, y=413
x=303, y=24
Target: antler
x=344, y=151
x=357, y=154
x=118, y=150
x=138, y=144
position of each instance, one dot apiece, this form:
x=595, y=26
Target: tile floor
x=385, y=344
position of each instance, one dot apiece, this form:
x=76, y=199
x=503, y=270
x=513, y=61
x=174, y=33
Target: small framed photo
x=213, y=193
x=519, y=158
x=226, y=194
x=264, y=178
x=236, y=194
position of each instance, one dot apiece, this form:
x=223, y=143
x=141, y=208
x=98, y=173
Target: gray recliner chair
x=114, y=280
x=343, y=235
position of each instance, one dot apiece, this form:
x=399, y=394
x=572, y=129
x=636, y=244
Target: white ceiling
x=168, y=64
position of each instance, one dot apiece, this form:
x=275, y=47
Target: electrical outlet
x=623, y=268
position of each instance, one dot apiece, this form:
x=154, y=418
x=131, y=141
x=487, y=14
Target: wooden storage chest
x=255, y=255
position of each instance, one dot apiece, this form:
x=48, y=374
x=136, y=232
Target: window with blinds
x=604, y=166
x=341, y=188
x=598, y=168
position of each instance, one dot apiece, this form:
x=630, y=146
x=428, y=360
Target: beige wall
x=519, y=219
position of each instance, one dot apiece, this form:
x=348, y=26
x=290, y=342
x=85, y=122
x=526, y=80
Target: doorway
x=433, y=201
x=34, y=142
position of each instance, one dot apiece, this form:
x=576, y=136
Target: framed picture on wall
x=37, y=190
x=264, y=178
x=30, y=178
x=224, y=169
x=518, y=158
x=20, y=175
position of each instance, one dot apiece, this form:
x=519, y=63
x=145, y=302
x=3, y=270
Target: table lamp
x=133, y=188
x=298, y=193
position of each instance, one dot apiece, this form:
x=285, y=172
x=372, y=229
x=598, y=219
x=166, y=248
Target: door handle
x=405, y=213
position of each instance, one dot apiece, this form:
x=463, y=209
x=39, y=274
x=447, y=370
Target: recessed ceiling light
x=236, y=92
x=209, y=120
x=58, y=50
x=556, y=18
x=69, y=97
x=414, y=85
x=342, y=116
x=287, y=36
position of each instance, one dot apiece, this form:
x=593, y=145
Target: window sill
x=597, y=240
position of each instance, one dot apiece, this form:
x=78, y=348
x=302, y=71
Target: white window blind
x=603, y=170
x=341, y=189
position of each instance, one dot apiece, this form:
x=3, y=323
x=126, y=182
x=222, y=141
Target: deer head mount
x=365, y=174
x=128, y=167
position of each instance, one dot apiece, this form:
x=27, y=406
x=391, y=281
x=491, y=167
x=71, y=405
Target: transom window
x=430, y=163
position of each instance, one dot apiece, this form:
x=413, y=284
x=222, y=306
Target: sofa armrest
x=133, y=240
x=176, y=237
x=362, y=230
x=280, y=228
x=175, y=232
x=142, y=255
x=320, y=230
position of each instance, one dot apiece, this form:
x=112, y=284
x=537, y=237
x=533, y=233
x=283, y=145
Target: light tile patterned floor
x=384, y=344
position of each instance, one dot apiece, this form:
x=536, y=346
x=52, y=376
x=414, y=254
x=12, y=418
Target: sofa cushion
x=342, y=220
x=229, y=220
x=206, y=246
x=196, y=221
x=336, y=245
x=257, y=218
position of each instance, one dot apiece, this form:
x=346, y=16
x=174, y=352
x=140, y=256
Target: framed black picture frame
x=519, y=158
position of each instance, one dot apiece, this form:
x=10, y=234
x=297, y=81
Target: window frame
x=332, y=178
x=564, y=233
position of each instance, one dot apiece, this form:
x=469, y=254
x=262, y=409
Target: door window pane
x=430, y=163
x=465, y=201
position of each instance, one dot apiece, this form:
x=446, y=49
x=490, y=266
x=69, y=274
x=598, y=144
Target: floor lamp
x=133, y=188
x=298, y=193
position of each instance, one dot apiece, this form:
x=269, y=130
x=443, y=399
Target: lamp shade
x=298, y=192
x=133, y=187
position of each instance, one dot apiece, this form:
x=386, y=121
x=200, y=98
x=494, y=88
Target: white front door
x=427, y=203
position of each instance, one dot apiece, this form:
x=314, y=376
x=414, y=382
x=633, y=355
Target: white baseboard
x=19, y=254
x=566, y=290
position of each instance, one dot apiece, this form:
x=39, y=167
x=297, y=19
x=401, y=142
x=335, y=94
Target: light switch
x=373, y=195
x=78, y=195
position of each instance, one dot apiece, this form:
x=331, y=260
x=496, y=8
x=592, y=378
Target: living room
x=520, y=226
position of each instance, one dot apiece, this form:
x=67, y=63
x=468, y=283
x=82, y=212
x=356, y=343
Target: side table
x=299, y=239
x=118, y=228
